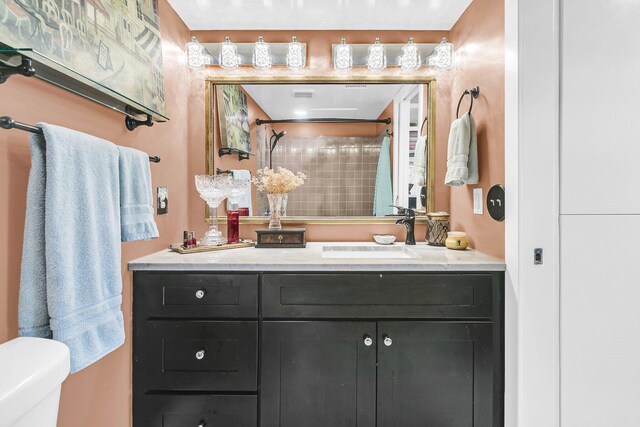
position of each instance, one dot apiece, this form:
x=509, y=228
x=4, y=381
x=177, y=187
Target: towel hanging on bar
x=8, y=123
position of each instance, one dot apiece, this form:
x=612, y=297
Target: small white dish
x=384, y=239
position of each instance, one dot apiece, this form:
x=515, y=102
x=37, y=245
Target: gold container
x=437, y=228
x=457, y=240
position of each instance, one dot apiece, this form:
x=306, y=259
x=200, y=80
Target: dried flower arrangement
x=280, y=181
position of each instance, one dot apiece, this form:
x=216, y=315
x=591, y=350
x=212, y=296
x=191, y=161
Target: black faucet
x=409, y=221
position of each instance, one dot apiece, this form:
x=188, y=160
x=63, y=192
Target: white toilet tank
x=31, y=374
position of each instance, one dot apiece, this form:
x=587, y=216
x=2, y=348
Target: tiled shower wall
x=341, y=174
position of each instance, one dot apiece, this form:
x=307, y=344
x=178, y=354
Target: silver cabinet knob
x=368, y=341
x=387, y=341
x=200, y=294
x=202, y=424
x=200, y=355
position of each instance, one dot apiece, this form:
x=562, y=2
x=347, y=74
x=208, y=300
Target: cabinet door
x=435, y=374
x=318, y=374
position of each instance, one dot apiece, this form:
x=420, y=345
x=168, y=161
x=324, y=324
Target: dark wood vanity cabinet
x=319, y=350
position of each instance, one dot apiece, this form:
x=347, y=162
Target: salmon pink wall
x=479, y=40
x=100, y=395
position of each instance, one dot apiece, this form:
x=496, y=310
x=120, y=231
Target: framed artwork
x=116, y=43
x=233, y=115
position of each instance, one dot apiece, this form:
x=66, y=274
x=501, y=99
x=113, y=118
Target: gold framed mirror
x=338, y=149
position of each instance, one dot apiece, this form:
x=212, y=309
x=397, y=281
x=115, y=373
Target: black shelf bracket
x=132, y=123
x=241, y=154
x=25, y=68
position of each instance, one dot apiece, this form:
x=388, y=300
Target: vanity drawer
x=196, y=295
x=424, y=296
x=195, y=410
x=197, y=355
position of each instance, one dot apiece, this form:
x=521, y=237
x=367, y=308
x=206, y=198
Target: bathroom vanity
x=331, y=335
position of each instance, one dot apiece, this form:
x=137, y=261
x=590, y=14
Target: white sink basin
x=368, y=252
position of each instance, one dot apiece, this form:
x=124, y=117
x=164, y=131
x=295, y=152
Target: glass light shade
x=261, y=55
x=443, y=56
x=342, y=56
x=195, y=54
x=410, y=59
x=229, y=57
x=377, y=58
x=295, y=55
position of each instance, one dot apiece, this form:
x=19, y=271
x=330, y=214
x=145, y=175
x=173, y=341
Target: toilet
x=31, y=374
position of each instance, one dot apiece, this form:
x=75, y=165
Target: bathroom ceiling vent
x=355, y=86
x=302, y=94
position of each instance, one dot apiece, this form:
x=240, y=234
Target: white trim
x=511, y=391
x=532, y=165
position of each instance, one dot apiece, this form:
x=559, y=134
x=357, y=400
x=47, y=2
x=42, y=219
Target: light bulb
x=410, y=59
x=261, y=55
x=342, y=56
x=229, y=57
x=377, y=58
x=442, y=56
x=195, y=54
x=295, y=56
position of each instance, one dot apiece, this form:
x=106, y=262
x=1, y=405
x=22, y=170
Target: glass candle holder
x=437, y=228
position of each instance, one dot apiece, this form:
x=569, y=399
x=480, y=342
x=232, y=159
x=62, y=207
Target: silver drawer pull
x=202, y=424
x=200, y=294
x=200, y=355
x=388, y=341
x=368, y=341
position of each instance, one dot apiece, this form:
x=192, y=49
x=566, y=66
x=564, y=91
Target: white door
x=600, y=214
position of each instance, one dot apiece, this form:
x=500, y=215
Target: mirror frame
x=210, y=110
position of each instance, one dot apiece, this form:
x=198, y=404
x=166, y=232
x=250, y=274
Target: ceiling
x=323, y=101
x=320, y=14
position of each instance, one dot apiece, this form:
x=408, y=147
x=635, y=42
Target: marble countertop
x=423, y=258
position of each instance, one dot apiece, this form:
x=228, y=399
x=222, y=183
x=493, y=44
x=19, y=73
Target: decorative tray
x=177, y=247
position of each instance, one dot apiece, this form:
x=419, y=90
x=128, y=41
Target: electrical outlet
x=477, y=201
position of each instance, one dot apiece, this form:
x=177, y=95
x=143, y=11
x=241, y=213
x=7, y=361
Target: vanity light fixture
x=410, y=58
x=228, y=58
x=342, y=56
x=377, y=57
x=195, y=54
x=443, y=56
x=295, y=56
x=261, y=55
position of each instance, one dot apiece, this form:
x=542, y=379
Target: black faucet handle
x=406, y=212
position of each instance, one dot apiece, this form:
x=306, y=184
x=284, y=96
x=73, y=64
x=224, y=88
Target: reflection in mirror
x=362, y=146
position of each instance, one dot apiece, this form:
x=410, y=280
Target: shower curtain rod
x=334, y=120
x=9, y=123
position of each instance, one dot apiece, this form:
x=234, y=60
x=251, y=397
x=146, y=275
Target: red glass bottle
x=233, y=225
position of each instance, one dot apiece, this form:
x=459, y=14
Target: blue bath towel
x=383, y=196
x=71, y=285
x=136, y=198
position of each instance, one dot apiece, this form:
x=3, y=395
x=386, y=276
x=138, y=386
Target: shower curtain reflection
x=341, y=173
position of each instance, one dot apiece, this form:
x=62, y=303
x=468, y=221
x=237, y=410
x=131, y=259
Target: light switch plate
x=477, y=201
x=162, y=206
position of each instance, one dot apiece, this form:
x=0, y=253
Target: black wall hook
x=474, y=94
x=25, y=69
x=132, y=123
